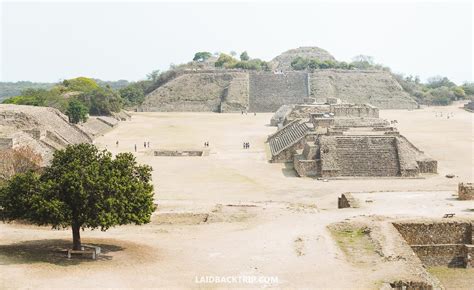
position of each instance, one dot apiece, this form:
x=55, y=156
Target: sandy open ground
x=261, y=220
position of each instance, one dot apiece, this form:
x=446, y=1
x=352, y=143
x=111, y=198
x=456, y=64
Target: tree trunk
x=76, y=237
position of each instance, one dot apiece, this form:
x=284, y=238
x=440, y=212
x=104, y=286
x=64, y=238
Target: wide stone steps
x=287, y=136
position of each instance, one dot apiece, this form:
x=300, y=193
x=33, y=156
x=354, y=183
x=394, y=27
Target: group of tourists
x=246, y=145
x=254, y=113
x=146, y=144
x=448, y=115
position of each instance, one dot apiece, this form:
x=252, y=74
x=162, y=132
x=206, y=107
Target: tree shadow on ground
x=50, y=251
x=288, y=170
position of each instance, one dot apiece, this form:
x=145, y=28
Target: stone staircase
x=287, y=136
x=367, y=156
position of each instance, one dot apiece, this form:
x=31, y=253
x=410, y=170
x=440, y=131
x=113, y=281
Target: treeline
x=11, y=89
x=362, y=62
x=77, y=98
x=436, y=91
x=229, y=61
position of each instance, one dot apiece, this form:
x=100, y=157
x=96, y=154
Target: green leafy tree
x=202, y=56
x=134, y=94
x=101, y=101
x=442, y=96
x=438, y=81
x=153, y=76
x=225, y=60
x=300, y=63
x=244, y=56
x=459, y=93
x=83, y=188
x=468, y=88
x=80, y=84
x=76, y=111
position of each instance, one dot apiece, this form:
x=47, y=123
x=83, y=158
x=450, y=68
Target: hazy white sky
x=49, y=41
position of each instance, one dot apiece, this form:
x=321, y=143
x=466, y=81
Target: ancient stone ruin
x=466, y=191
x=46, y=129
x=234, y=90
x=336, y=139
x=43, y=129
x=181, y=153
x=439, y=243
x=469, y=106
x=346, y=200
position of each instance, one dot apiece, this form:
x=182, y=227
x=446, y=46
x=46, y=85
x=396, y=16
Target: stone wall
x=367, y=156
x=354, y=110
x=235, y=97
x=346, y=200
x=269, y=91
x=178, y=153
x=426, y=233
x=378, y=88
x=439, y=243
x=304, y=167
x=6, y=143
x=469, y=106
x=451, y=255
x=466, y=191
x=199, y=92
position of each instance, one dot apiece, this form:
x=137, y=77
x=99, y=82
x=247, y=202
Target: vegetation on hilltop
x=363, y=62
x=11, y=89
x=436, y=91
x=229, y=62
x=73, y=97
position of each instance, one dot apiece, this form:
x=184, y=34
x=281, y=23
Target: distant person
x=148, y=144
x=135, y=147
x=144, y=144
x=116, y=143
x=255, y=113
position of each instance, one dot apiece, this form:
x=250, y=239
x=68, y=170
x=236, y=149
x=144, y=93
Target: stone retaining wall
x=428, y=233
x=347, y=200
x=269, y=91
x=466, y=191
x=440, y=255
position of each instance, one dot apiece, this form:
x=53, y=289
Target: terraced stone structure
x=440, y=243
x=46, y=129
x=233, y=90
x=340, y=144
x=43, y=129
x=330, y=107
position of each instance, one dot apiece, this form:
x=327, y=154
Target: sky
x=51, y=41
